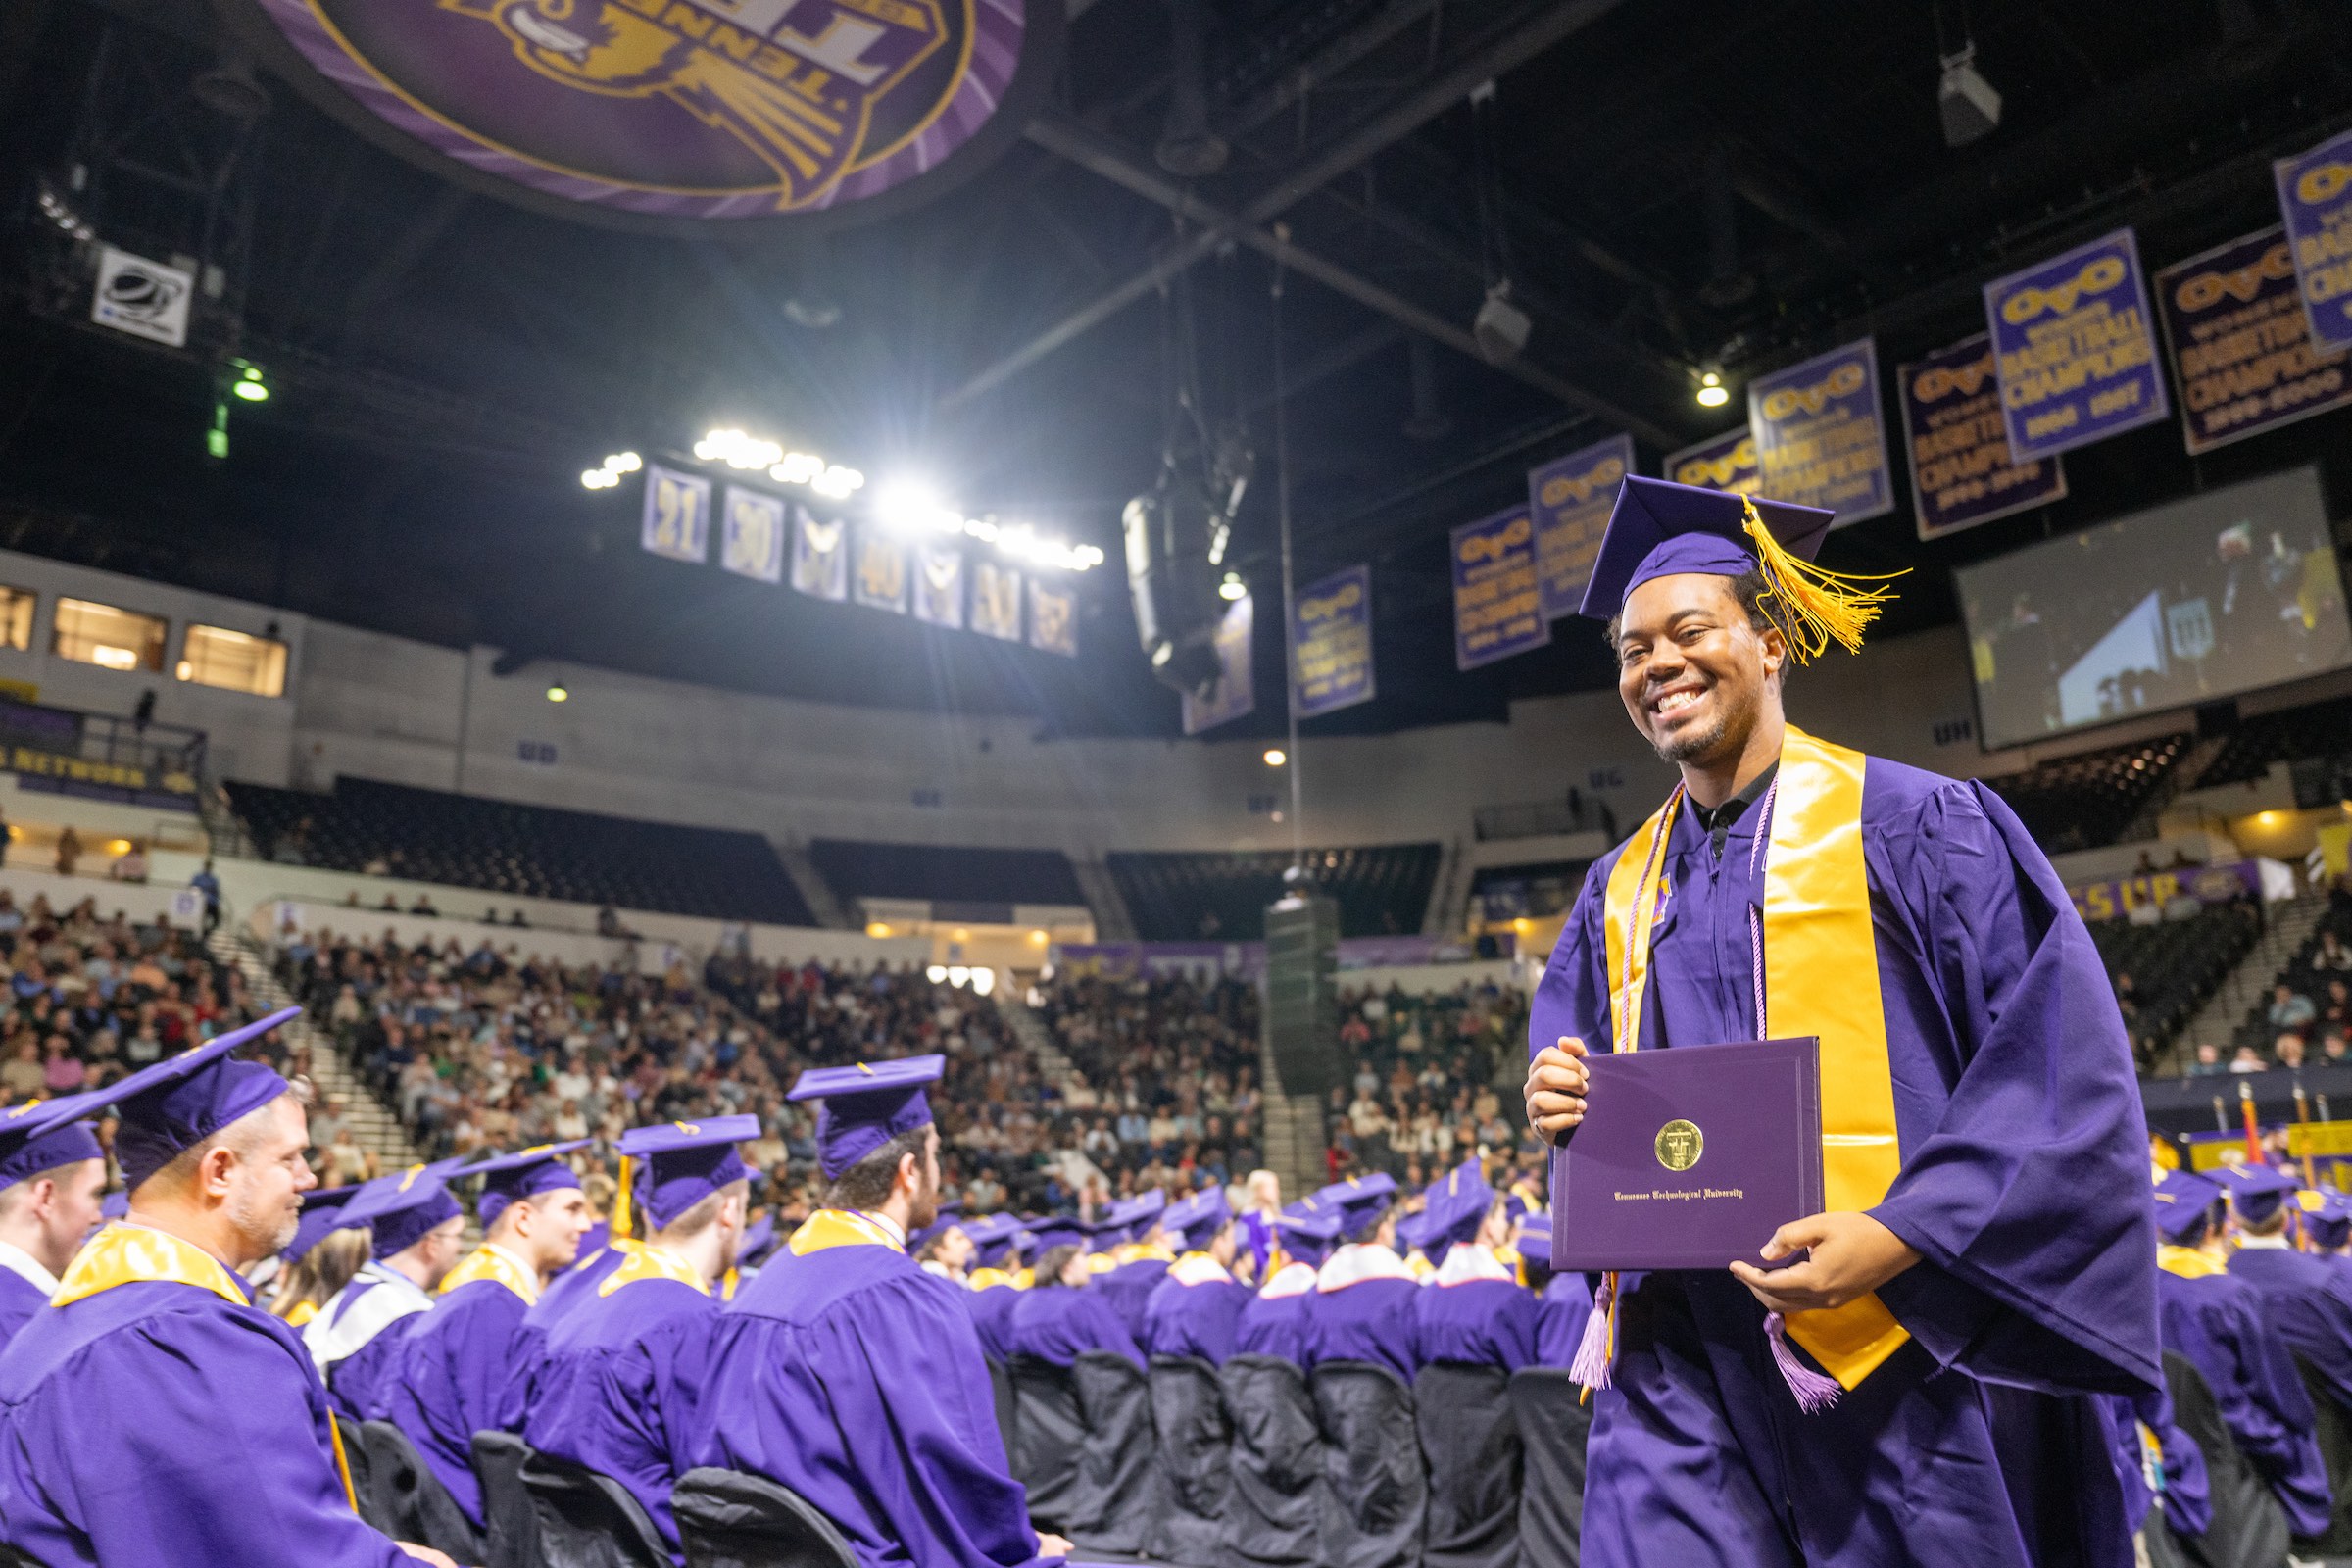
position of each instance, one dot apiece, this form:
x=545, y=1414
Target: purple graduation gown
x=1370, y=1320
x=2308, y=1301
x=563, y=1293
x=452, y=1380
x=1201, y=1320
x=2217, y=1323
x=361, y=1384
x=992, y=1317
x=2023, y=1187
x=1561, y=1311
x=856, y=1379
x=1482, y=1322
x=19, y=1300
x=1057, y=1323
x=1274, y=1325
x=2185, y=1493
x=161, y=1425
x=1129, y=1287
x=617, y=1386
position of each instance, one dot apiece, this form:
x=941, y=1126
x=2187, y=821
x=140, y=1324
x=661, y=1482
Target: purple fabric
x=2187, y=1493
x=19, y=1300
x=1202, y=1320
x=69, y=1145
x=671, y=1184
x=1479, y=1322
x=403, y=1228
x=992, y=1318
x=1058, y=1323
x=2308, y=1301
x=848, y=1129
x=1562, y=1309
x=1129, y=1287
x=562, y=1296
x=1707, y=552
x=1371, y=1320
x=2024, y=1187
x=2217, y=1323
x=504, y=1190
x=1276, y=1326
x=453, y=1372
x=161, y=1124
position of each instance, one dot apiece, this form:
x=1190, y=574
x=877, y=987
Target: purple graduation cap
x=114, y=1204
x=178, y=1103
x=2184, y=1201
x=38, y=1138
x=1131, y=1219
x=321, y=1216
x=758, y=1240
x=1535, y=1237
x=949, y=1215
x=1197, y=1218
x=402, y=1208
x=1356, y=1202
x=2326, y=1218
x=679, y=1164
x=527, y=1173
x=866, y=1105
x=1310, y=1239
x=2256, y=1192
x=1456, y=1204
x=1000, y=1240
x=1058, y=1230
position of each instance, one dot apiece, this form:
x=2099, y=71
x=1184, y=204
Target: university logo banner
x=995, y=601
x=2315, y=198
x=820, y=556
x=1727, y=462
x=2242, y=343
x=752, y=542
x=881, y=575
x=1331, y=643
x=1821, y=440
x=1053, y=618
x=1570, y=499
x=939, y=584
x=1498, y=610
x=1961, y=471
x=2074, y=344
x=1236, y=690
x=677, y=515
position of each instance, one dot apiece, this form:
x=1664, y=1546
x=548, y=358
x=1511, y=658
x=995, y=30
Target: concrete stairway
x=1113, y=920
x=1294, y=1146
x=815, y=890
x=2291, y=922
x=1036, y=1039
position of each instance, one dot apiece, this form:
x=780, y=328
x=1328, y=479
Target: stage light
x=937, y=973
x=557, y=694
x=1712, y=394
x=1276, y=757
x=249, y=386
x=837, y=483
x=1233, y=587
x=1037, y=939
x=1971, y=106
x=623, y=462
x=797, y=467
x=877, y=929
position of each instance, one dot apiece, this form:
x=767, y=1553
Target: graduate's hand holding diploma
x=1850, y=1254
x=1555, y=1088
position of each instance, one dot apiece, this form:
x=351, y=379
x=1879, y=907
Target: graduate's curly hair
x=1756, y=599
x=867, y=1184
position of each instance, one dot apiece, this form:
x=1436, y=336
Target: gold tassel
x=1817, y=607
x=620, y=1200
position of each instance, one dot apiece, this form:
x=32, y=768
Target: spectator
x=62, y=1073
x=69, y=851
x=21, y=1075
x=423, y=906
x=2333, y=1047
x=2289, y=1008
x=2331, y=955
x=2287, y=1050
x=206, y=883
x=2208, y=1061
x=2246, y=1060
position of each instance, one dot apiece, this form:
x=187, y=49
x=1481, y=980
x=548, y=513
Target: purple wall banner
x=1570, y=499
x=1961, y=471
x=1497, y=609
x=939, y=584
x=880, y=581
x=820, y=556
x=995, y=601
x=1727, y=462
x=1053, y=618
x=645, y=113
x=1821, y=440
x=2242, y=343
x=2315, y=197
x=1236, y=690
x=1331, y=643
x=2207, y=884
x=677, y=515
x=1248, y=960
x=2076, y=348
x=751, y=538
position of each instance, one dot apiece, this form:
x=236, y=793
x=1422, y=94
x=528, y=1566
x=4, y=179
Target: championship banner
x=2315, y=197
x=1570, y=499
x=995, y=601
x=1821, y=440
x=880, y=581
x=1496, y=608
x=677, y=515
x=820, y=556
x=1728, y=461
x=2242, y=343
x=1053, y=618
x=2207, y=884
x=939, y=584
x=751, y=540
x=1236, y=690
x=2076, y=348
x=125, y=783
x=1331, y=643
x=1961, y=471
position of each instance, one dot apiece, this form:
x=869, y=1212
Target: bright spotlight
x=251, y=391
x=1712, y=394
x=1276, y=757
x=597, y=479
x=1233, y=587
x=557, y=694
x=623, y=462
x=837, y=483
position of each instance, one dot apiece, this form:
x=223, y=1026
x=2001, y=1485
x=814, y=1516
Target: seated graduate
x=2161, y=1468
x=602, y=1250
x=1362, y=1309
x=2307, y=1298
x=1140, y=1261
x=2328, y=1228
x=1197, y=1308
x=1066, y=1313
x=51, y=1173
x=1261, y=1205
x=1274, y=1321
x=621, y=1377
x=1475, y=1311
x=310, y=1270
x=418, y=1231
x=996, y=1284
x=151, y=1415
x=847, y=1374
x=1563, y=1301
x=944, y=1248
x=453, y=1376
x=2215, y=1320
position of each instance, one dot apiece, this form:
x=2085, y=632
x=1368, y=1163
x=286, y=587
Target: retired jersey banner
x=2076, y=348
x=677, y=515
x=995, y=601
x=1053, y=618
x=2242, y=343
x=1820, y=438
x=1331, y=643
x=1498, y=610
x=1961, y=471
x=1570, y=499
x=820, y=556
x=880, y=580
x=939, y=584
x=1236, y=690
x=1728, y=461
x=750, y=540
x=2315, y=197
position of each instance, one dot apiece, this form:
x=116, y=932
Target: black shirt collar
x=1716, y=820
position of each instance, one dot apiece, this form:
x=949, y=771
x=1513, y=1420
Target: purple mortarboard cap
x=322, y=1215
x=402, y=1208
x=1131, y=1219
x=1199, y=1218
x=1309, y=1240
x=46, y=1134
x=1000, y=1238
x=1456, y=1204
x=1058, y=1230
x=527, y=1173
x=1357, y=1202
x=2256, y=1192
x=679, y=1164
x=114, y=1204
x=2326, y=1218
x=2182, y=1201
x=866, y=1105
x=949, y=1219
x=758, y=1237
x=170, y=1107
x=1658, y=530
x=1535, y=1237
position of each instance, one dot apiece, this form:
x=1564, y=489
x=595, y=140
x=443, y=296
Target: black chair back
x=511, y=1529
x=1553, y=1422
x=11, y=1557
x=2249, y=1525
x=1378, y=1495
x=1470, y=1445
x=727, y=1519
x=1000, y=1387
x=1194, y=1437
x=1049, y=1434
x=363, y=1474
x=412, y=1497
x=1274, y=1514
x=1118, y=1492
x=589, y=1520
x=2335, y=1448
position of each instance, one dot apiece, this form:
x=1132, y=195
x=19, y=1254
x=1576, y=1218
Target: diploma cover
x=1689, y=1157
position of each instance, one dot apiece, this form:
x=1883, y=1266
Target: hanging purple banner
x=2075, y=347
x=1961, y=471
x=1496, y=608
x=2242, y=343
x=1331, y=643
x=677, y=515
x=1727, y=462
x=1235, y=692
x=1820, y=438
x=1570, y=499
x=2315, y=197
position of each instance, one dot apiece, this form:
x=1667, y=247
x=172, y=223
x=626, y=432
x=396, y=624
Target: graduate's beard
x=267, y=1229
x=923, y=1206
x=1736, y=716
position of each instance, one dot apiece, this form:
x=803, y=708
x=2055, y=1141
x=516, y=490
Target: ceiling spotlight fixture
x=1970, y=105
x=231, y=90
x=1276, y=757
x=1233, y=588
x=1712, y=393
x=557, y=693
x=1500, y=326
x=249, y=384
x=615, y=464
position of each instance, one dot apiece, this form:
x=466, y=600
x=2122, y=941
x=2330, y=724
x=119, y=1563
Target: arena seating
x=535, y=850
x=2085, y=801
x=2173, y=966
x=1381, y=890
x=2321, y=729
x=2325, y=955
x=975, y=879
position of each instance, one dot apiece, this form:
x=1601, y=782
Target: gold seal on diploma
x=1680, y=1144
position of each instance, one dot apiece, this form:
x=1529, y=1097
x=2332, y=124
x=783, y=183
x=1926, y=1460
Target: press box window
x=16, y=616
x=234, y=661
x=90, y=633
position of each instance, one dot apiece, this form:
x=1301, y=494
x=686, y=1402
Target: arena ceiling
x=1725, y=184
